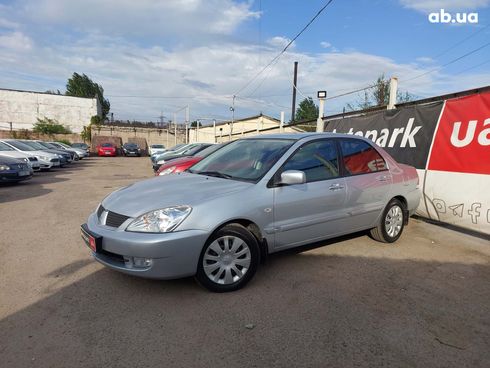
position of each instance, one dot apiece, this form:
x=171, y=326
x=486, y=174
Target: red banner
x=462, y=139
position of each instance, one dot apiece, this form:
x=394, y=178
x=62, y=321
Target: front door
x=311, y=211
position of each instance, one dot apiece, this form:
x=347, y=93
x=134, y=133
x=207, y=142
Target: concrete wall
x=23, y=134
x=23, y=108
x=151, y=135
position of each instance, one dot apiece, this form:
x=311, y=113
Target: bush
x=50, y=126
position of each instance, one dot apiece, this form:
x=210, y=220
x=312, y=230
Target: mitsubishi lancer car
x=253, y=197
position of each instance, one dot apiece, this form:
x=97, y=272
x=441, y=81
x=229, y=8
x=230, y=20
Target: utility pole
x=393, y=93
x=295, y=79
x=186, y=124
x=281, y=127
x=320, y=127
x=10, y=125
x=175, y=128
x=214, y=128
x=232, y=109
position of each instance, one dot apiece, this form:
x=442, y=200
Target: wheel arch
x=404, y=202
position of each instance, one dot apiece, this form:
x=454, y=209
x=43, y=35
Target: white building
x=21, y=109
x=220, y=132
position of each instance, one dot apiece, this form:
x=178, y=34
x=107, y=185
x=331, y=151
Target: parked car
x=175, y=149
x=156, y=149
x=83, y=146
x=72, y=154
x=189, y=151
x=6, y=150
x=183, y=163
x=46, y=160
x=106, y=149
x=64, y=156
x=131, y=149
x=254, y=196
x=14, y=170
x=79, y=152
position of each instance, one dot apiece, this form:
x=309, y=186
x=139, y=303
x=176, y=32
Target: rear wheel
x=391, y=224
x=229, y=259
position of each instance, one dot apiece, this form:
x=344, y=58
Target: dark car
x=131, y=149
x=13, y=170
x=191, y=151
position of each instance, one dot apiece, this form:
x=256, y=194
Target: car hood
x=170, y=190
x=10, y=160
x=41, y=153
x=15, y=154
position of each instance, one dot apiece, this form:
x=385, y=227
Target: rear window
x=360, y=157
x=157, y=146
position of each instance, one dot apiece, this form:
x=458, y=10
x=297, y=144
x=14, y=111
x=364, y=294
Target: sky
x=155, y=57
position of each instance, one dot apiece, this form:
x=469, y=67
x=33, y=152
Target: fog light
x=137, y=262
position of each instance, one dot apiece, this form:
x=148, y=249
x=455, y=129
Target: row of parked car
x=110, y=150
x=180, y=157
x=20, y=158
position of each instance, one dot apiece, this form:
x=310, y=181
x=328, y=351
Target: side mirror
x=291, y=177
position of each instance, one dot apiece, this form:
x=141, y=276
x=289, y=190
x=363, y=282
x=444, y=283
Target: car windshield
x=34, y=145
x=21, y=146
x=48, y=145
x=106, y=145
x=157, y=146
x=177, y=146
x=58, y=146
x=207, y=151
x=5, y=147
x=247, y=159
x=63, y=145
x=193, y=150
x=130, y=145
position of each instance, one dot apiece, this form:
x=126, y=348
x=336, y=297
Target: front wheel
x=229, y=259
x=391, y=224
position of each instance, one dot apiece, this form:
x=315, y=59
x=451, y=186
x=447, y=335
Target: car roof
x=300, y=136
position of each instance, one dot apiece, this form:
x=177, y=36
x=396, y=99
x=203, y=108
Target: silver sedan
x=253, y=197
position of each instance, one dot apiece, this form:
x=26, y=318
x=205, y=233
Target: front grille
x=54, y=160
x=21, y=166
x=32, y=158
x=115, y=219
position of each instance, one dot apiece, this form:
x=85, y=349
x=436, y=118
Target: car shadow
x=308, y=310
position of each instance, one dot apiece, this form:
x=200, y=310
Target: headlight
x=25, y=159
x=167, y=171
x=44, y=158
x=59, y=156
x=160, y=221
x=4, y=168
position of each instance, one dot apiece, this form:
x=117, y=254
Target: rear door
x=368, y=182
x=313, y=210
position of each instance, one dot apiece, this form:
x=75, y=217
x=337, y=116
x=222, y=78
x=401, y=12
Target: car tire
x=227, y=253
x=391, y=223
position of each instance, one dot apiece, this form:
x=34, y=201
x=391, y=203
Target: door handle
x=335, y=187
x=382, y=178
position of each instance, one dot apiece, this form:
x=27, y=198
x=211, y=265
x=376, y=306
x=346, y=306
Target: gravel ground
x=351, y=302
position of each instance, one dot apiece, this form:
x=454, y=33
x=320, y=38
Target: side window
x=318, y=160
x=360, y=157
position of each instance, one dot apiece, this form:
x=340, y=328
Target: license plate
x=90, y=240
x=107, y=153
x=24, y=173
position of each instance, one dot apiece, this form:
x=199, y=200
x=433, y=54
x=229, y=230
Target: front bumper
x=14, y=176
x=173, y=255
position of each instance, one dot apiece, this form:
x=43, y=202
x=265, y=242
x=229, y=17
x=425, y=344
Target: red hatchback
x=106, y=149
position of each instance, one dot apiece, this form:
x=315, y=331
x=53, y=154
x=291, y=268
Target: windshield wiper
x=214, y=173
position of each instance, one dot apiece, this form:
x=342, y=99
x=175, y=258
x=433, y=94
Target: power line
x=473, y=67
x=284, y=49
x=461, y=42
x=449, y=63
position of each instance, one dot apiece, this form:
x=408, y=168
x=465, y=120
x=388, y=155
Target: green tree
x=49, y=127
x=194, y=124
x=82, y=86
x=307, y=110
x=379, y=95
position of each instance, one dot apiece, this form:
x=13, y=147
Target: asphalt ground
x=350, y=302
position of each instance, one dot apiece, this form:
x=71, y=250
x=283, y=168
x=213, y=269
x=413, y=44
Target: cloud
x=427, y=6
x=280, y=42
x=16, y=41
x=325, y=45
x=143, y=17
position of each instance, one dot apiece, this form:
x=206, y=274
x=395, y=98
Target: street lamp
x=322, y=96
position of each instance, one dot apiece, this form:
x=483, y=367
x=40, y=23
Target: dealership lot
x=424, y=301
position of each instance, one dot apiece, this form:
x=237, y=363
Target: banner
x=448, y=142
x=406, y=133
